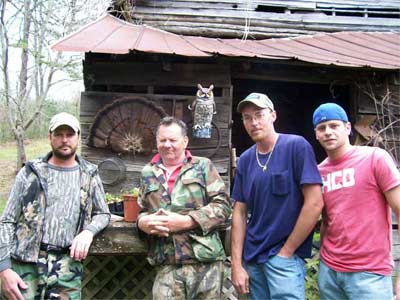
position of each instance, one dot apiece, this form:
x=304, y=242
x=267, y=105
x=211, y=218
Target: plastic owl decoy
x=203, y=108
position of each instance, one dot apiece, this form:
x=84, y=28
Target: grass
x=8, y=162
x=33, y=148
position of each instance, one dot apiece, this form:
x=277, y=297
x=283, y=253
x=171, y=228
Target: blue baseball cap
x=327, y=112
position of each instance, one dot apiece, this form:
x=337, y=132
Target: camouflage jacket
x=199, y=192
x=21, y=225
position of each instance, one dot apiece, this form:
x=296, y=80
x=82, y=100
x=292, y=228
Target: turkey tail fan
x=127, y=125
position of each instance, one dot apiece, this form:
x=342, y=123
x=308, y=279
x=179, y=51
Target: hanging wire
x=247, y=21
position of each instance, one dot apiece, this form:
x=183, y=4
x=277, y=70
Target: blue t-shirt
x=274, y=197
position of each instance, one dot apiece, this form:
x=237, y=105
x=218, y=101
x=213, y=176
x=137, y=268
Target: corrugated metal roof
x=380, y=50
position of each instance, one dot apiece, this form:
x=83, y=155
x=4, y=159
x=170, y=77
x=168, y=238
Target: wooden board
x=267, y=18
x=396, y=245
x=155, y=74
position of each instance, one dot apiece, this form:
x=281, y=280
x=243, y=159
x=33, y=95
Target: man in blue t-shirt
x=278, y=200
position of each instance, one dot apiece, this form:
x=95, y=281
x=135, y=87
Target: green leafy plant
x=112, y=198
x=132, y=191
x=312, y=292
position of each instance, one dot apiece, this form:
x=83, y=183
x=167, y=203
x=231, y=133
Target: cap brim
x=55, y=126
x=245, y=102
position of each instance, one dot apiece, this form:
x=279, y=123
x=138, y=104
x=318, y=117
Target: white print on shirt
x=338, y=179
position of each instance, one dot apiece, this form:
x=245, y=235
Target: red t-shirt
x=357, y=218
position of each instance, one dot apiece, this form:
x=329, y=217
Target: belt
x=53, y=249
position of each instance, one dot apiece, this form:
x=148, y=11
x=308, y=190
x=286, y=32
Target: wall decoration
x=203, y=108
x=126, y=126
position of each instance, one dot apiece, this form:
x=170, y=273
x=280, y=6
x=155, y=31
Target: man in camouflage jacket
x=183, y=200
x=49, y=216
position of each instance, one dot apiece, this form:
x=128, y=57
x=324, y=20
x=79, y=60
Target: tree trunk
x=20, y=138
x=40, y=23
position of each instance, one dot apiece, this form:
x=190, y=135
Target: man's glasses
x=258, y=116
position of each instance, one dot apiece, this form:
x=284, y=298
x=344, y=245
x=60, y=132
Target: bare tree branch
x=27, y=27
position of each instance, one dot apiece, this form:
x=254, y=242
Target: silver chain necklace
x=265, y=166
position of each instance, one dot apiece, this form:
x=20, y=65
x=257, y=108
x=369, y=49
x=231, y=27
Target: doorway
x=294, y=103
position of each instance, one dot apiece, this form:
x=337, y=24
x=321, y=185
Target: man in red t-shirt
x=360, y=185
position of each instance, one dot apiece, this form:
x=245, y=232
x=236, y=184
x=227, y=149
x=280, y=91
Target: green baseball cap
x=260, y=100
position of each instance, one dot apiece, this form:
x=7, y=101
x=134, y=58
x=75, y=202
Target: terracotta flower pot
x=131, y=208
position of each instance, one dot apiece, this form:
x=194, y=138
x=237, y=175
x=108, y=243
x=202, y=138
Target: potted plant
x=131, y=207
x=115, y=204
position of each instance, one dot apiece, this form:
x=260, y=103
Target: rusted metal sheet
x=380, y=50
x=109, y=34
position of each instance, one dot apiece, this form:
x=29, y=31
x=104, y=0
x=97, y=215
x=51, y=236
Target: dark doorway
x=294, y=104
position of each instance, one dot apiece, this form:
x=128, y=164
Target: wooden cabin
x=135, y=74
x=164, y=83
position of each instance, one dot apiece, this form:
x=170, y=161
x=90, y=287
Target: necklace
x=265, y=166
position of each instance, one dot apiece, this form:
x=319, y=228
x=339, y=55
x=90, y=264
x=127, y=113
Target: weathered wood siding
x=265, y=19
x=171, y=86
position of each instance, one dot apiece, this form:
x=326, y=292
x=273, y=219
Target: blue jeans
x=353, y=285
x=279, y=278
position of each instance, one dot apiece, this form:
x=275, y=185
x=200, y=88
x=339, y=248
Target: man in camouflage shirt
x=55, y=208
x=183, y=200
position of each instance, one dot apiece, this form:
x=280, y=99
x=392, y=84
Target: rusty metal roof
x=108, y=34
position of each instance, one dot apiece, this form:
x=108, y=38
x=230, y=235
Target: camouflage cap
x=260, y=100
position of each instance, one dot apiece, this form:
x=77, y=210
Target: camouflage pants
x=194, y=281
x=54, y=276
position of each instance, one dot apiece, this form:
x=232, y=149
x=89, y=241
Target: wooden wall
x=172, y=86
x=266, y=19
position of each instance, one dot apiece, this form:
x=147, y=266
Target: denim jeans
x=279, y=278
x=353, y=285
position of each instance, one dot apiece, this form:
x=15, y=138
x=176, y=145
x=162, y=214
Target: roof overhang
x=108, y=34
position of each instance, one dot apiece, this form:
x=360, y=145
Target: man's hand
x=81, y=244
x=154, y=224
x=240, y=280
x=176, y=222
x=11, y=284
x=164, y=222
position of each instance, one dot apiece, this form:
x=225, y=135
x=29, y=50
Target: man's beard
x=258, y=138
x=63, y=156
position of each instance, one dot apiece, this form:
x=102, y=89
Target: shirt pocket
x=193, y=193
x=280, y=183
x=195, y=181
